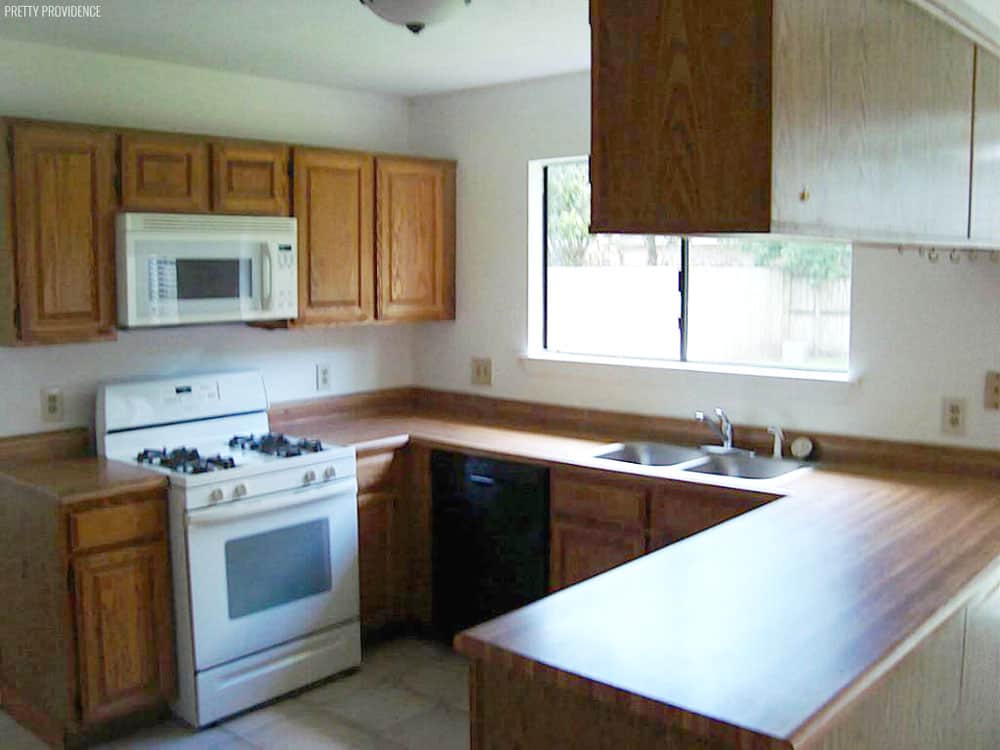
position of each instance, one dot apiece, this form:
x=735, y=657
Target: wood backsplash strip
x=366, y=404
x=72, y=443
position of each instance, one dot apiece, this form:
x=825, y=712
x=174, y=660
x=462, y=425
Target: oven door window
x=277, y=567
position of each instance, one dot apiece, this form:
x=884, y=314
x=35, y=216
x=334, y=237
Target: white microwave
x=180, y=269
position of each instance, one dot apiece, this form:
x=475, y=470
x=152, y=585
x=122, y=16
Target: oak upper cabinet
x=124, y=630
x=861, y=127
x=335, y=207
x=985, y=224
x=415, y=239
x=164, y=173
x=64, y=210
x=250, y=178
x=598, y=522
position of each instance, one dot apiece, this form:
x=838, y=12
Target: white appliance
x=263, y=538
x=178, y=269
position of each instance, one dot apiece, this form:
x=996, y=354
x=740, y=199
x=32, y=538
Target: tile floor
x=408, y=695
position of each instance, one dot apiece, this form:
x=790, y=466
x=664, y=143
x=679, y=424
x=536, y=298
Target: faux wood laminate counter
x=771, y=624
x=76, y=480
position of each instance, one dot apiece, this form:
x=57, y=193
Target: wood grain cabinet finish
x=579, y=552
x=681, y=119
x=843, y=118
x=250, y=178
x=675, y=514
x=124, y=630
x=376, y=558
x=164, y=173
x=415, y=239
x=64, y=209
x=335, y=208
x=985, y=222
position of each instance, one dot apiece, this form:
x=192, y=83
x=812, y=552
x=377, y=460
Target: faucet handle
x=779, y=437
x=699, y=416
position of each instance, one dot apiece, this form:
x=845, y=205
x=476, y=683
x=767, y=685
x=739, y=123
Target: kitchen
x=920, y=332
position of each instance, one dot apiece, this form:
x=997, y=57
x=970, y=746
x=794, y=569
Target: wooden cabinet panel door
x=376, y=511
x=63, y=183
x=335, y=207
x=250, y=178
x=872, y=120
x=415, y=243
x=677, y=515
x=681, y=121
x=164, y=173
x=578, y=552
x=124, y=626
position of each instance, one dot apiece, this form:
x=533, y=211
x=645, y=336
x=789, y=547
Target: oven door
x=271, y=569
x=201, y=281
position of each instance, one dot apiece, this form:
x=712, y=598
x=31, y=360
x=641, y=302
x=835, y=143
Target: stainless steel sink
x=651, y=454
x=745, y=466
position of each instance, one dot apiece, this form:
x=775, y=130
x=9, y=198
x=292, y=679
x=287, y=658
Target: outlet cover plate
x=992, y=400
x=324, y=378
x=52, y=404
x=953, y=412
x=482, y=371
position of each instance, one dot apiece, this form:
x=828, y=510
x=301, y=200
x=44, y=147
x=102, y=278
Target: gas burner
x=185, y=460
x=275, y=444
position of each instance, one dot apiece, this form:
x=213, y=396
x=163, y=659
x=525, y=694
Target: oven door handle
x=241, y=509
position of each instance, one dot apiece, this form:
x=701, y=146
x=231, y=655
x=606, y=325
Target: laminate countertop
x=76, y=480
x=773, y=622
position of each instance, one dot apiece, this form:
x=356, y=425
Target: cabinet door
x=376, y=511
x=335, y=208
x=681, y=120
x=578, y=552
x=872, y=106
x=985, y=223
x=124, y=627
x=415, y=243
x=63, y=183
x=676, y=515
x=250, y=178
x=164, y=173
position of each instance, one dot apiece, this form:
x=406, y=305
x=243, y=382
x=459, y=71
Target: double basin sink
x=727, y=462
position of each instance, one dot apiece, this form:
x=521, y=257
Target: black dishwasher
x=491, y=539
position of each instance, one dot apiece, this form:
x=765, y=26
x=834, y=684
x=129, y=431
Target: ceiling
x=336, y=43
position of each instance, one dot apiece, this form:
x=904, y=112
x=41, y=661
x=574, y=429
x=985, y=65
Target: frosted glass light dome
x=414, y=14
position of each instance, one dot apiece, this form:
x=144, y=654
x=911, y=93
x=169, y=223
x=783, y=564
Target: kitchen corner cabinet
x=62, y=215
x=675, y=514
x=415, y=239
x=334, y=197
x=164, y=173
x=250, y=178
x=833, y=117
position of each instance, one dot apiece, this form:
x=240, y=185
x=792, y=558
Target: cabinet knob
x=215, y=495
x=240, y=490
x=310, y=477
x=330, y=473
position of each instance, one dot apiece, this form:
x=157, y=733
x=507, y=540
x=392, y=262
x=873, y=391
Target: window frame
x=538, y=278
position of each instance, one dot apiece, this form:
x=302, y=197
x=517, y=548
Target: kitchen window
x=750, y=301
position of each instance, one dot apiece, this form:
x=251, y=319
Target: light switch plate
x=992, y=400
x=482, y=371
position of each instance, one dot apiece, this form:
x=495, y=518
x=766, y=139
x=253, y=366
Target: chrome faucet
x=723, y=426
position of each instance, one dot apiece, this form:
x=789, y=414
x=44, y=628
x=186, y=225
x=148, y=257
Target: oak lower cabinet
x=676, y=513
x=415, y=239
x=60, y=288
x=830, y=118
x=335, y=206
x=598, y=521
x=164, y=173
x=87, y=639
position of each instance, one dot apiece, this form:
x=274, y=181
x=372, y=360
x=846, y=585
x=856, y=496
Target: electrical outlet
x=324, y=378
x=953, y=416
x=52, y=405
x=992, y=400
x=482, y=371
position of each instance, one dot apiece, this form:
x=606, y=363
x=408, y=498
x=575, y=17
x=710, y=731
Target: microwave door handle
x=240, y=509
x=266, y=282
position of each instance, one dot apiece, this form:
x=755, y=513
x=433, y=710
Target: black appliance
x=491, y=539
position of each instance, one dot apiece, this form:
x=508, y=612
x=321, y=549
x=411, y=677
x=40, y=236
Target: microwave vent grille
x=209, y=223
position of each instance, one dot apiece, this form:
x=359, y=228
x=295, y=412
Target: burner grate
x=275, y=444
x=185, y=460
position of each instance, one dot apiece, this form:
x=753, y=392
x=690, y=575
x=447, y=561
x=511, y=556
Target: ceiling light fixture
x=414, y=14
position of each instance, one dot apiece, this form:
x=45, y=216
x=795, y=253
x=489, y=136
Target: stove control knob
x=240, y=490
x=329, y=473
x=215, y=496
x=310, y=477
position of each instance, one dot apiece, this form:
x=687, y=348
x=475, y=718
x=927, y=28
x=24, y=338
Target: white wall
x=61, y=84
x=920, y=331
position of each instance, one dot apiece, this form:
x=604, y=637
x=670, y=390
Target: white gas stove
x=264, y=537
